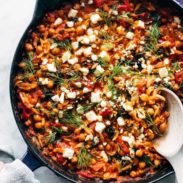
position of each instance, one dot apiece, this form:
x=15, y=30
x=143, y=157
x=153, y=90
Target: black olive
x=160, y=51
x=127, y=94
x=156, y=17
x=84, y=64
x=73, y=19
x=110, y=131
x=117, y=156
x=123, y=113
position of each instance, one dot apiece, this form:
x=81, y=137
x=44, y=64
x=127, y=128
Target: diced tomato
x=89, y=9
x=106, y=113
x=60, y=158
x=124, y=147
x=99, y=3
x=85, y=174
x=141, y=85
x=125, y=7
x=179, y=77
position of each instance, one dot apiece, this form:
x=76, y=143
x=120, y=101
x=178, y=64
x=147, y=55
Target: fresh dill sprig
x=86, y=107
x=150, y=122
x=116, y=70
x=29, y=68
x=65, y=44
x=60, y=131
x=154, y=36
x=104, y=34
x=176, y=66
x=124, y=15
x=147, y=160
x=72, y=119
x=106, y=17
x=103, y=62
x=84, y=158
x=51, y=137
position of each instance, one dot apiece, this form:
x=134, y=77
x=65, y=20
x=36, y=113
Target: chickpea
x=55, y=51
x=28, y=47
x=28, y=123
x=37, y=117
x=55, y=110
x=100, y=147
x=81, y=137
x=139, y=153
x=50, y=84
x=51, y=31
x=38, y=125
x=42, y=28
x=39, y=49
x=49, y=105
x=133, y=174
x=163, y=127
x=144, y=97
x=157, y=162
x=22, y=64
x=142, y=165
x=108, y=147
x=150, y=111
x=79, y=30
x=38, y=73
x=150, y=134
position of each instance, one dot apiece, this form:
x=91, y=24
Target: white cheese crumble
x=79, y=52
x=72, y=13
x=94, y=57
x=71, y=95
x=86, y=90
x=130, y=35
x=103, y=54
x=60, y=114
x=90, y=2
x=75, y=45
x=104, y=156
x=91, y=116
x=80, y=19
x=92, y=38
x=68, y=153
x=70, y=24
x=95, y=18
x=96, y=140
x=45, y=61
x=139, y=24
x=43, y=81
x=51, y=67
x=90, y=31
x=99, y=127
x=166, y=61
x=127, y=106
x=120, y=121
x=84, y=70
x=149, y=69
x=177, y=20
x=56, y=98
x=87, y=51
x=73, y=61
x=85, y=40
x=54, y=45
x=163, y=72
x=89, y=137
x=103, y=103
x=95, y=97
x=141, y=113
x=99, y=69
x=108, y=123
x=58, y=21
x=66, y=56
x=62, y=97
x=78, y=84
x=129, y=139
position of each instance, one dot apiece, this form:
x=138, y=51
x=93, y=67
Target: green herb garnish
x=29, y=68
x=86, y=107
x=84, y=158
x=104, y=34
x=106, y=17
x=147, y=160
x=65, y=44
x=103, y=62
x=154, y=36
x=176, y=66
x=60, y=131
x=51, y=137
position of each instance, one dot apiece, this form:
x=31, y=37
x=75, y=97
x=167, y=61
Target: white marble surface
x=15, y=16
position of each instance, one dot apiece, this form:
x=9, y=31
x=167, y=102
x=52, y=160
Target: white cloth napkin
x=16, y=172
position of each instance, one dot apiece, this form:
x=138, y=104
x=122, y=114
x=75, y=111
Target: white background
x=15, y=16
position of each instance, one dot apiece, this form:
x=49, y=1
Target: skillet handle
x=31, y=161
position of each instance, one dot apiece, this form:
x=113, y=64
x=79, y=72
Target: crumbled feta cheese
x=45, y=61
x=120, y=121
x=126, y=158
x=99, y=118
x=73, y=61
x=95, y=18
x=83, y=4
x=84, y=70
x=99, y=127
x=79, y=52
x=78, y=84
x=58, y=21
x=131, y=46
x=64, y=90
x=166, y=61
x=71, y=95
x=86, y=90
x=129, y=139
x=103, y=103
x=89, y=137
x=130, y=35
x=91, y=116
x=70, y=24
x=80, y=19
x=95, y=97
x=157, y=80
x=115, y=12
x=128, y=106
x=92, y=38
x=99, y=69
x=149, y=69
x=87, y=51
x=141, y=113
x=56, y=98
x=68, y=153
x=177, y=20
x=43, y=81
x=54, y=45
x=104, y=156
x=96, y=140
x=109, y=94
x=94, y=57
x=90, y=31
x=104, y=143
x=103, y=54
x=90, y=2
x=84, y=27
x=75, y=45
x=66, y=56
x=51, y=67
x=60, y=114
x=163, y=72
x=72, y=13
x=139, y=24
x=85, y=40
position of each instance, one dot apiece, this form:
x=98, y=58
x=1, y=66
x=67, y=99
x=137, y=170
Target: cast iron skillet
x=33, y=158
